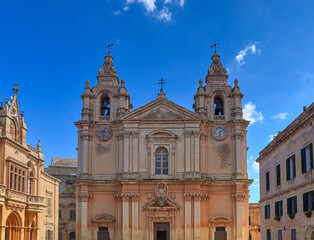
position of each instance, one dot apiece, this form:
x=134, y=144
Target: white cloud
x=255, y=183
x=167, y=1
x=150, y=5
x=271, y=136
x=250, y=113
x=281, y=116
x=182, y=2
x=255, y=166
x=164, y=14
x=249, y=49
x=116, y=12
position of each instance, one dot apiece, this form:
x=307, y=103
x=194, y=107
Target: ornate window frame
x=166, y=139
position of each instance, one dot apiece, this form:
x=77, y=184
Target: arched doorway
x=13, y=227
x=312, y=237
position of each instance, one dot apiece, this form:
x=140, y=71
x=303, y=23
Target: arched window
x=31, y=179
x=218, y=106
x=105, y=107
x=161, y=161
x=72, y=236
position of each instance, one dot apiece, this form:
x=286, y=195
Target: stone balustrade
x=219, y=117
x=17, y=196
x=31, y=199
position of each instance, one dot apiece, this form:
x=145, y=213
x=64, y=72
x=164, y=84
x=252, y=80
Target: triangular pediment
x=161, y=110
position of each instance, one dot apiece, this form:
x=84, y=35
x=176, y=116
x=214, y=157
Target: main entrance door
x=220, y=233
x=161, y=231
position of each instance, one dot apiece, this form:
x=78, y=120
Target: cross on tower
x=109, y=47
x=215, y=46
x=161, y=82
x=15, y=89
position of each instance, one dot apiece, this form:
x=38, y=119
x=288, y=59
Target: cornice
x=302, y=119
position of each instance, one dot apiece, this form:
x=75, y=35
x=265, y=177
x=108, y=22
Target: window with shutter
x=290, y=167
x=279, y=234
x=307, y=158
x=278, y=175
x=267, y=181
x=308, y=201
x=293, y=234
x=267, y=211
x=268, y=234
x=292, y=205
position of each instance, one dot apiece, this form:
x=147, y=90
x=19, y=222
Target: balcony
x=35, y=203
x=219, y=117
x=21, y=200
x=2, y=194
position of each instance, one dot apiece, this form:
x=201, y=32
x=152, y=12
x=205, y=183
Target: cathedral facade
x=162, y=172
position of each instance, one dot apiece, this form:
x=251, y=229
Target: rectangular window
x=290, y=167
x=267, y=211
x=292, y=205
x=49, y=206
x=72, y=214
x=267, y=181
x=278, y=208
x=268, y=234
x=307, y=158
x=293, y=234
x=278, y=175
x=279, y=234
x=308, y=201
x=60, y=214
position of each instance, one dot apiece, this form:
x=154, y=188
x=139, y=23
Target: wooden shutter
x=289, y=205
x=293, y=164
x=311, y=154
x=267, y=181
x=312, y=200
x=305, y=202
x=288, y=169
x=295, y=204
x=278, y=174
x=303, y=161
x=276, y=209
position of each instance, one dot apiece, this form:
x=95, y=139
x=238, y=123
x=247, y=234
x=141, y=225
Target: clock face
x=104, y=133
x=219, y=132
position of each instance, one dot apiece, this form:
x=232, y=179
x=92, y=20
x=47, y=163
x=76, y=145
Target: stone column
x=120, y=152
x=239, y=199
x=187, y=216
x=135, y=197
x=125, y=216
x=126, y=152
x=237, y=138
x=84, y=231
x=187, y=136
x=197, y=152
x=135, y=152
x=85, y=138
x=197, y=216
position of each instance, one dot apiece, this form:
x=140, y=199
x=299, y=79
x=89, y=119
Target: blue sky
x=51, y=47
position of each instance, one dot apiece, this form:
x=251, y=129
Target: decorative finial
x=122, y=82
x=236, y=83
x=22, y=114
x=15, y=89
x=38, y=145
x=109, y=47
x=161, y=82
x=87, y=84
x=6, y=101
x=201, y=82
x=215, y=46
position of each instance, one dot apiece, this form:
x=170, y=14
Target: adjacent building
x=162, y=171
x=28, y=195
x=254, y=221
x=65, y=170
x=287, y=181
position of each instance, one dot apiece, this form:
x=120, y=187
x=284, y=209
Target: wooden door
x=161, y=231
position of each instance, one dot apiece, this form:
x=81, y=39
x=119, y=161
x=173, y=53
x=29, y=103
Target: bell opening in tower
x=218, y=106
x=105, y=107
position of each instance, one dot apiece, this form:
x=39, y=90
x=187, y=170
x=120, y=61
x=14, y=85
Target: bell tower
x=217, y=100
